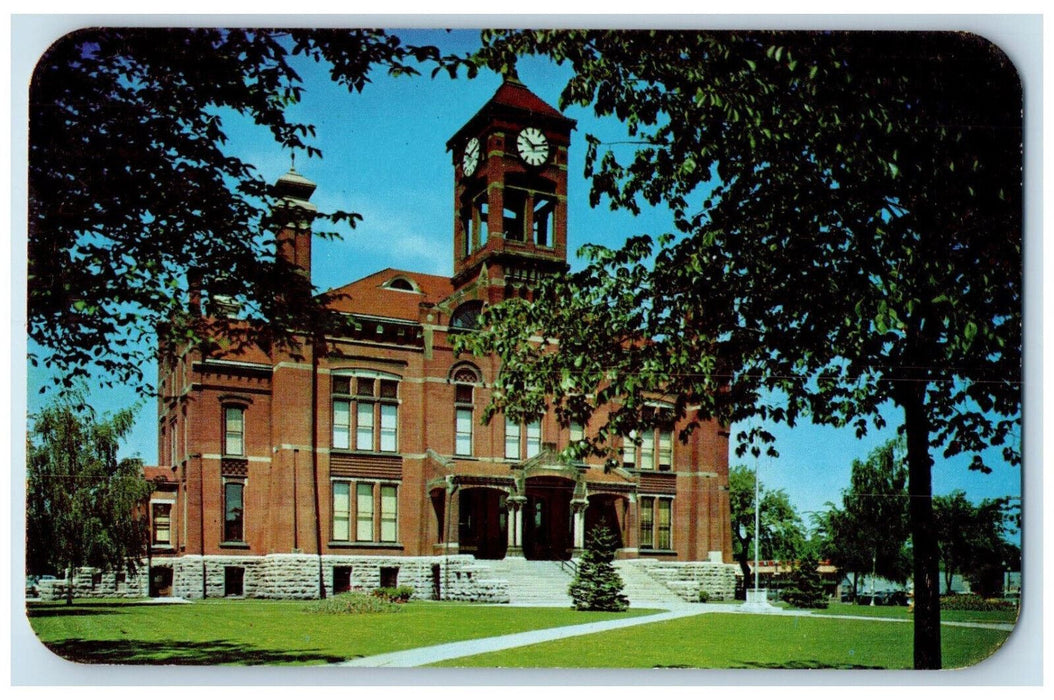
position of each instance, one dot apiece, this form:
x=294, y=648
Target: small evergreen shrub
x=806, y=588
x=704, y=595
x=597, y=586
x=971, y=601
x=396, y=594
x=352, y=603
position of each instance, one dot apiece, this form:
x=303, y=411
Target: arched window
x=465, y=378
x=466, y=316
x=401, y=284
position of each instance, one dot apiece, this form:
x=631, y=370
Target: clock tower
x=510, y=194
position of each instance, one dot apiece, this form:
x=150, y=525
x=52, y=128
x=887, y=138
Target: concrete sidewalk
x=454, y=650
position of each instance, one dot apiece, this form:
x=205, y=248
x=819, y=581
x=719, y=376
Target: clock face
x=470, y=159
x=532, y=146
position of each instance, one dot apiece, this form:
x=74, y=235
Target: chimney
x=194, y=291
x=294, y=217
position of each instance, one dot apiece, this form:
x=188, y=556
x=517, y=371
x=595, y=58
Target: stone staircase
x=542, y=583
x=642, y=590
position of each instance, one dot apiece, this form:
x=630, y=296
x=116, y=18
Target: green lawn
x=270, y=632
x=724, y=640
x=901, y=612
x=283, y=632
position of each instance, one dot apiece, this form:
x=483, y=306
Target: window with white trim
x=366, y=412
x=656, y=522
x=233, y=510
x=233, y=431
x=463, y=420
x=641, y=453
x=365, y=511
x=523, y=441
x=161, y=523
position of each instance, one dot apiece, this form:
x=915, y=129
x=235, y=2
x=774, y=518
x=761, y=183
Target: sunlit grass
x=725, y=640
x=271, y=632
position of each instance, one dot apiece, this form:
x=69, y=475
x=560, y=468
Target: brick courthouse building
x=292, y=477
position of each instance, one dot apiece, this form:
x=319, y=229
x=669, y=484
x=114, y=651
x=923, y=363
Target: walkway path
x=471, y=647
x=454, y=650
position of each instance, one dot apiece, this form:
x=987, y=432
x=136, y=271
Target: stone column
x=578, y=509
x=631, y=541
x=515, y=525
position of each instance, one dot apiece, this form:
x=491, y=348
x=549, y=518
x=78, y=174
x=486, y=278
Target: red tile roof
x=370, y=296
x=511, y=96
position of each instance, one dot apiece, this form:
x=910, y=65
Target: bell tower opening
x=510, y=170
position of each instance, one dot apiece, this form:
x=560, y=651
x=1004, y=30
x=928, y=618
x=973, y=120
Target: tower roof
x=512, y=98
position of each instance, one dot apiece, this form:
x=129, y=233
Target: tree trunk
x=926, y=556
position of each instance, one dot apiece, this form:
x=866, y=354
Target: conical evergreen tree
x=806, y=589
x=597, y=586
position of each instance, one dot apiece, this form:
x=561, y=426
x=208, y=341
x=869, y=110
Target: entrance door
x=547, y=523
x=482, y=523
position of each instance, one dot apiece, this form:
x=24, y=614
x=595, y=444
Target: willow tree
x=84, y=506
x=847, y=214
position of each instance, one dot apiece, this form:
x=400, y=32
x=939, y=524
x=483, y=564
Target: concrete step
x=643, y=590
x=532, y=582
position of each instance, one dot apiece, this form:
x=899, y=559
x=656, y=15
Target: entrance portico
x=539, y=509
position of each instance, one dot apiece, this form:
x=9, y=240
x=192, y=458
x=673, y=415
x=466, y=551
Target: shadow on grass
x=90, y=651
x=806, y=664
x=61, y=609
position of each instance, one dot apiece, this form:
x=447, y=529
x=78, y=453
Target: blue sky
x=385, y=158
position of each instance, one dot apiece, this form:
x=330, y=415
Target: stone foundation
x=294, y=576
x=91, y=583
x=687, y=579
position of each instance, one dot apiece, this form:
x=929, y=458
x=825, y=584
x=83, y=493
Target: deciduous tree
x=132, y=187
x=973, y=541
x=868, y=534
x=782, y=529
x=847, y=236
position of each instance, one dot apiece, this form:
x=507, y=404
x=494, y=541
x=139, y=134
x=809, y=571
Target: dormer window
x=401, y=284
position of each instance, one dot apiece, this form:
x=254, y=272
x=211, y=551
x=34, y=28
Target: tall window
x=662, y=531
x=656, y=522
x=647, y=522
x=389, y=513
x=233, y=431
x=161, y=523
x=534, y=438
x=364, y=512
x=463, y=419
x=233, y=511
x=512, y=439
x=371, y=524
x=366, y=413
x=464, y=378
x=341, y=511
x=523, y=441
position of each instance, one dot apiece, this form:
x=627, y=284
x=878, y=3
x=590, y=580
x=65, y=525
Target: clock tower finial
x=510, y=219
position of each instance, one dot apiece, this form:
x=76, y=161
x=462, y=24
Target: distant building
x=369, y=465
